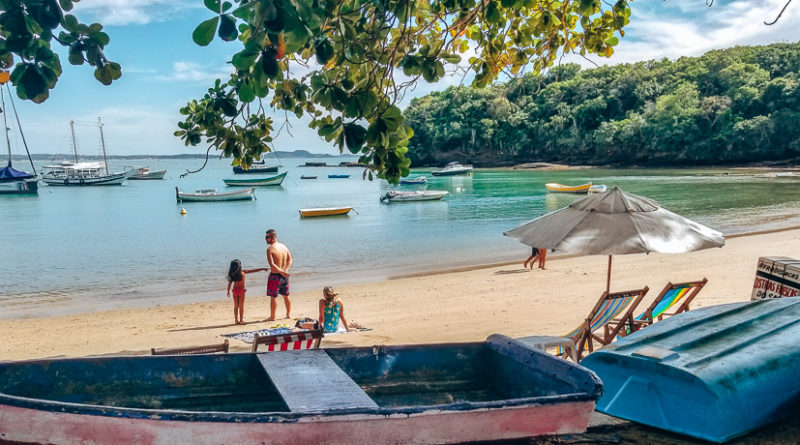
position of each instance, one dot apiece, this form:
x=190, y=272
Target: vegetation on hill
x=738, y=105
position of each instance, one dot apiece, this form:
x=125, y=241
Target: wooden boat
x=210, y=195
x=421, y=195
x=308, y=177
x=271, y=180
x=256, y=168
x=499, y=389
x=338, y=176
x=714, y=373
x=144, y=173
x=560, y=188
x=453, y=169
x=326, y=211
x=84, y=173
x=414, y=181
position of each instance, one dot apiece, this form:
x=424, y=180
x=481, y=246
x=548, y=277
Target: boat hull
x=414, y=196
x=239, y=195
x=149, y=175
x=112, y=179
x=414, y=181
x=338, y=176
x=273, y=181
x=21, y=187
x=494, y=390
x=560, y=188
x=714, y=373
x=329, y=211
x=464, y=172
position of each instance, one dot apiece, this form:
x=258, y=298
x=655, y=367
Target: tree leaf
x=227, y=28
x=204, y=33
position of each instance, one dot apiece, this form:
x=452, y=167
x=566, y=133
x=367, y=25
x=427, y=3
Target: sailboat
x=13, y=181
x=84, y=173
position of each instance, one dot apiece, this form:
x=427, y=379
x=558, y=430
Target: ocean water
x=82, y=249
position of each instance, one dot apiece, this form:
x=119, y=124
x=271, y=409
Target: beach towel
x=247, y=336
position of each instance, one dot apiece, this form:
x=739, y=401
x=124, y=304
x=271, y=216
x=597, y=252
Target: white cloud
x=132, y=12
x=192, y=72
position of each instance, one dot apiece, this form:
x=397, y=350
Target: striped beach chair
x=289, y=342
x=611, y=313
x=669, y=297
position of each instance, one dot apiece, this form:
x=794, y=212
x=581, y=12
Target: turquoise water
x=81, y=249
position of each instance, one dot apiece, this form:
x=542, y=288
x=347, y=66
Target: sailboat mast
x=103, y=144
x=74, y=143
x=5, y=124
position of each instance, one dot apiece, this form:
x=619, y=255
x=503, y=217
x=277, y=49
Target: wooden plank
x=310, y=381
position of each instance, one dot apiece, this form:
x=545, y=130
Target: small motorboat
x=211, y=195
x=494, y=390
x=561, y=188
x=258, y=182
x=308, y=177
x=453, y=169
x=325, y=211
x=599, y=188
x=338, y=176
x=255, y=168
x=414, y=181
x=421, y=195
x=144, y=173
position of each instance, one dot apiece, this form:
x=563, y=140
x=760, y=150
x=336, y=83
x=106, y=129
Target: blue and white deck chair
x=611, y=313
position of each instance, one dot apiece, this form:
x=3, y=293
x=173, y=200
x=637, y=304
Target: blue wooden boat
x=493, y=390
x=338, y=176
x=714, y=373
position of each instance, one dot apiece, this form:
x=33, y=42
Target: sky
x=162, y=70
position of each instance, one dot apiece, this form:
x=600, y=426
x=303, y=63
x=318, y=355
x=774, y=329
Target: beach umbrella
x=615, y=223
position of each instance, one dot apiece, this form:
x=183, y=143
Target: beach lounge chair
x=608, y=317
x=191, y=350
x=669, y=297
x=288, y=342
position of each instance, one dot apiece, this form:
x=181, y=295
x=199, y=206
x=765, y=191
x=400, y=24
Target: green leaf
x=246, y=93
x=354, y=137
x=212, y=5
x=70, y=23
x=244, y=60
x=493, y=14
x=204, y=33
x=227, y=28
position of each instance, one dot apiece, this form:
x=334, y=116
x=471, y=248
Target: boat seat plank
x=310, y=381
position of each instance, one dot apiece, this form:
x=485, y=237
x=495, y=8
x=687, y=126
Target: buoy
x=183, y=211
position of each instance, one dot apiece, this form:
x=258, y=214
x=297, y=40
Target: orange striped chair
x=669, y=297
x=608, y=317
x=289, y=342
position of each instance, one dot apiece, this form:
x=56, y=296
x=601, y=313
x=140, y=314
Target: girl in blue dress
x=331, y=310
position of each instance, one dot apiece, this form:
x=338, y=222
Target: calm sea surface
x=82, y=249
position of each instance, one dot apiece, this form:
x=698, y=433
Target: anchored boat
x=561, y=188
x=414, y=181
x=144, y=173
x=212, y=195
x=453, y=169
x=325, y=211
x=421, y=195
x=13, y=181
x=271, y=180
x=499, y=389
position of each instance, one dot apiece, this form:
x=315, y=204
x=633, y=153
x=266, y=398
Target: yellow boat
x=561, y=188
x=327, y=211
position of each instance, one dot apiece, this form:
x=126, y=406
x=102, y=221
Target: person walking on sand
x=236, y=281
x=331, y=310
x=536, y=255
x=280, y=261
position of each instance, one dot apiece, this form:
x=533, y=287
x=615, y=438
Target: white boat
x=144, y=173
x=453, y=169
x=599, y=188
x=414, y=181
x=420, y=195
x=13, y=181
x=84, y=173
x=212, y=195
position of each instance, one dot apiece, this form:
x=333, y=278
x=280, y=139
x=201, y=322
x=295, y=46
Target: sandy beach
x=451, y=306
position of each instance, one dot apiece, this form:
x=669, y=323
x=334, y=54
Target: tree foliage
x=27, y=29
x=729, y=106
x=346, y=63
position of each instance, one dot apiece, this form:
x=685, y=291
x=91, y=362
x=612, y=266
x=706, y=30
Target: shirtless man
x=280, y=261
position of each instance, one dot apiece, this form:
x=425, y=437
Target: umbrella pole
x=608, y=279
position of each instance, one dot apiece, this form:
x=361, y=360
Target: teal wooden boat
x=715, y=373
x=256, y=182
